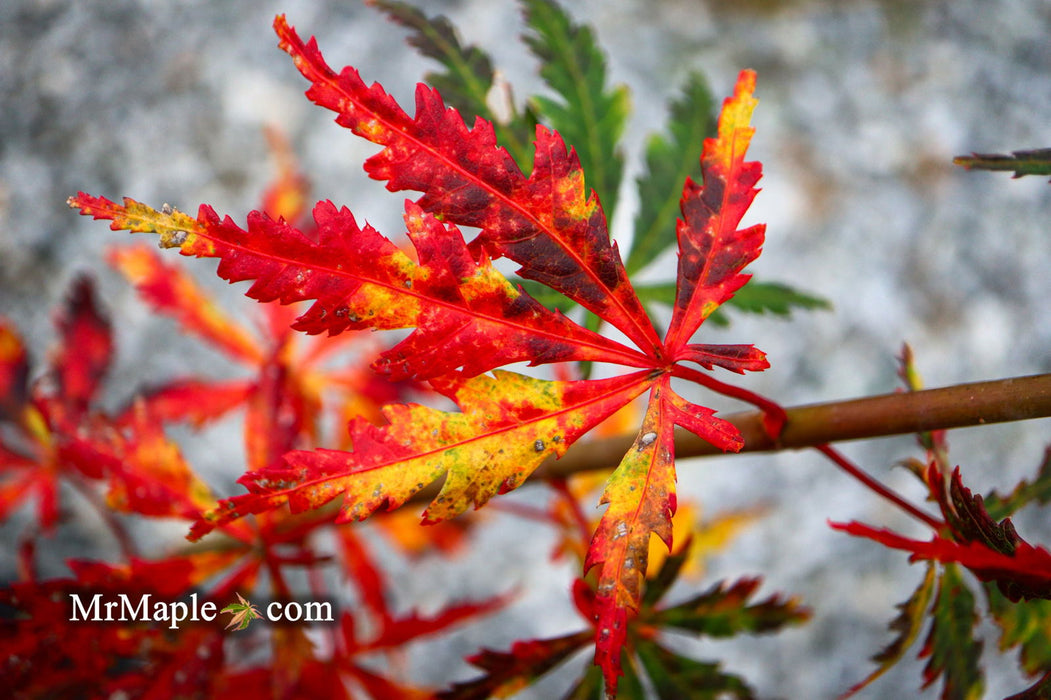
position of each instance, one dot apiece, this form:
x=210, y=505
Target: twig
x=895, y=498
x=979, y=403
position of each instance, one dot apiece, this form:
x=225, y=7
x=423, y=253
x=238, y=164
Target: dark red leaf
x=85, y=347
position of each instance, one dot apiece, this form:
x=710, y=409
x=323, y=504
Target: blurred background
x=863, y=104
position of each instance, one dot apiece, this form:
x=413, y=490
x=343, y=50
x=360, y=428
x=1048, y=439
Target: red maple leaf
x=992, y=550
x=468, y=319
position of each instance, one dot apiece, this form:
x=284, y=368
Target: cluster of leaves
x=137, y=658
x=537, y=184
x=975, y=534
x=55, y=435
x=468, y=320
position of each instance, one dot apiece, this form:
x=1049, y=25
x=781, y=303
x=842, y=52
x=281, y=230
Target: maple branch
x=978, y=403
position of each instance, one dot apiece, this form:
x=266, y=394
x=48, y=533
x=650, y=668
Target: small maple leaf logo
x=243, y=613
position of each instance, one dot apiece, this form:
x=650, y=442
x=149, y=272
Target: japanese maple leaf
x=242, y=613
x=282, y=395
x=724, y=610
x=992, y=550
x=62, y=435
x=467, y=319
x=1017, y=576
x=974, y=534
x=48, y=417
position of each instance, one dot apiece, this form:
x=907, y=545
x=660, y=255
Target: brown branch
x=979, y=403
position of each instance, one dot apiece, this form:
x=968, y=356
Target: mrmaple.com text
x=123, y=609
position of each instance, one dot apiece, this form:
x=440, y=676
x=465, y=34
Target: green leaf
x=670, y=159
x=590, y=117
x=630, y=686
x=1024, y=624
x=774, y=298
x=243, y=613
x=656, y=293
x=675, y=676
x=468, y=76
x=951, y=648
x=755, y=297
x=1000, y=507
x=545, y=295
x=1034, y=162
x=507, y=672
x=723, y=611
x=908, y=624
x=591, y=685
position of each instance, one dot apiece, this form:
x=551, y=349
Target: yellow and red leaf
x=508, y=425
x=151, y=477
x=712, y=249
x=466, y=320
x=641, y=498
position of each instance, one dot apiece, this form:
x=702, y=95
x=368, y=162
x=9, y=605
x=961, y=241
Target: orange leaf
x=712, y=250
x=169, y=290
x=641, y=498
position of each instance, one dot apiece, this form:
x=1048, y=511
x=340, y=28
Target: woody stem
x=900, y=413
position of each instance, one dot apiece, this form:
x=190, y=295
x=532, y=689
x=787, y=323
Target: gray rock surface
x=863, y=104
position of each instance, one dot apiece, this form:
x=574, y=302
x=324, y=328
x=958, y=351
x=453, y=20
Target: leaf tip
x=281, y=24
